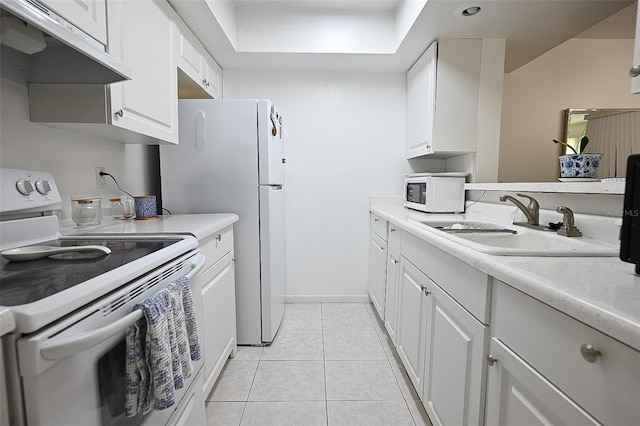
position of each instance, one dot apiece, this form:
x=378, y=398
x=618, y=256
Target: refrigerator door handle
x=276, y=187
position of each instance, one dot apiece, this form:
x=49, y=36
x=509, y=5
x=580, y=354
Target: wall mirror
x=612, y=132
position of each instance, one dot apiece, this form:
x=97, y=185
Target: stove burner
x=29, y=281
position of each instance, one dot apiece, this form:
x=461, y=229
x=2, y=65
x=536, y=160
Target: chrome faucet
x=568, y=228
x=532, y=211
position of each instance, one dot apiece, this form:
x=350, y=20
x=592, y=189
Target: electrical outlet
x=100, y=180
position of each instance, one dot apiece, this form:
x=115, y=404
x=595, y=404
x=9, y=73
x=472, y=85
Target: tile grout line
x=324, y=369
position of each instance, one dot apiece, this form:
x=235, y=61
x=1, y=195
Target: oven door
x=74, y=371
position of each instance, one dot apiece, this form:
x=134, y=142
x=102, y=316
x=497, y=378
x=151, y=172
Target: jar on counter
x=122, y=208
x=86, y=210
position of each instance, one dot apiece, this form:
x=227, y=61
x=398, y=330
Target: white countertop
x=616, y=188
x=602, y=292
x=198, y=225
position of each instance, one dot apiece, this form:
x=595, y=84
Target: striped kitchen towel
x=160, y=347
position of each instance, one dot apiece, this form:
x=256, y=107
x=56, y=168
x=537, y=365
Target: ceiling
x=385, y=35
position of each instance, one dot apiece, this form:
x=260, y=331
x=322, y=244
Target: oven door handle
x=53, y=350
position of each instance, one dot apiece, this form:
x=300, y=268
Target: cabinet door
x=518, y=395
x=218, y=299
x=421, y=97
x=412, y=315
x=454, y=375
x=391, y=298
x=188, y=53
x=88, y=15
x=148, y=103
x=212, y=74
x=377, y=272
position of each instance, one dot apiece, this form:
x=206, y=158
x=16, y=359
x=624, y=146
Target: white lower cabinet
x=454, y=373
x=377, y=272
x=556, y=368
x=480, y=352
x=519, y=395
x=392, y=282
x=377, y=277
x=412, y=317
x=218, y=299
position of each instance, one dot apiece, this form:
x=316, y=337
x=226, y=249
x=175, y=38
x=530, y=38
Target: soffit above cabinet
x=385, y=35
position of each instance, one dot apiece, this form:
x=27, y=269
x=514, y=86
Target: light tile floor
x=330, y=364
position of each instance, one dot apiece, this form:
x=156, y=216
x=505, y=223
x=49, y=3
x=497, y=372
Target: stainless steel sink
x=466, y=226
x=501, y=240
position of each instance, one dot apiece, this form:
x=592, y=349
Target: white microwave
x=434, y=194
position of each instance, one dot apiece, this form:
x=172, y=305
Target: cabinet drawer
x=216, y=245
x=378, y=225
x=465, y=284
x=551, y=342
x=395, y=237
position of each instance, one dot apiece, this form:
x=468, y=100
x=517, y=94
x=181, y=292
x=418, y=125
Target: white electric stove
x=65, y=359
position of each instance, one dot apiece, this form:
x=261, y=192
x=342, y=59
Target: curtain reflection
x=617, y=136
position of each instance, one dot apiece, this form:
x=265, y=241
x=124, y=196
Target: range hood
x=68, y=55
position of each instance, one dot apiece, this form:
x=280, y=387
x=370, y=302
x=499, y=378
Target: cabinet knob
x=375, y=220
x=393, y=229
x=395, y=262
x=219, y=237
x=634, y=71
x=491, y=360
x=426, y=292
x=204, y=81
x=589, y=353
x=119, y=113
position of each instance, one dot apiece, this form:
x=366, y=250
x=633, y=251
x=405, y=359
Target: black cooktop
x=28, y=281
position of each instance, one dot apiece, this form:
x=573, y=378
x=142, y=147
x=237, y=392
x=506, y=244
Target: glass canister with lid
x=86, y=210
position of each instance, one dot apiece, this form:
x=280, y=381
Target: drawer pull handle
x=589, y=353
x=491, y=360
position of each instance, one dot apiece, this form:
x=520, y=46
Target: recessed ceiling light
x=471, y=10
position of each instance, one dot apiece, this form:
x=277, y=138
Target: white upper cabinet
x=165, y=57
x=198, y=73
x=635, y=71
x=88, y=15
x=421, y=97
x=141, y=35
x=443, y=92
x=142, y=110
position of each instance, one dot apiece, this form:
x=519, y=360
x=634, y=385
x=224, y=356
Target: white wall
x=345, y=141
x=70, y=157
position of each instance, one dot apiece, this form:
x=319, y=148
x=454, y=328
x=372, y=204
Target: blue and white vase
x=579, y=165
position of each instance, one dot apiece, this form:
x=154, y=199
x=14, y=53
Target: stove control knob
x=24, y=186
x=43, y=186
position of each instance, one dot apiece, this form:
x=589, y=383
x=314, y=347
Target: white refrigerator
x=230, y=158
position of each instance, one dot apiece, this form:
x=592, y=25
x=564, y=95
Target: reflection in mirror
x=612, y=132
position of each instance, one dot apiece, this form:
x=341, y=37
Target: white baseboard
x=327, y=299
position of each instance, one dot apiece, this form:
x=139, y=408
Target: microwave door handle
x=54, y=350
